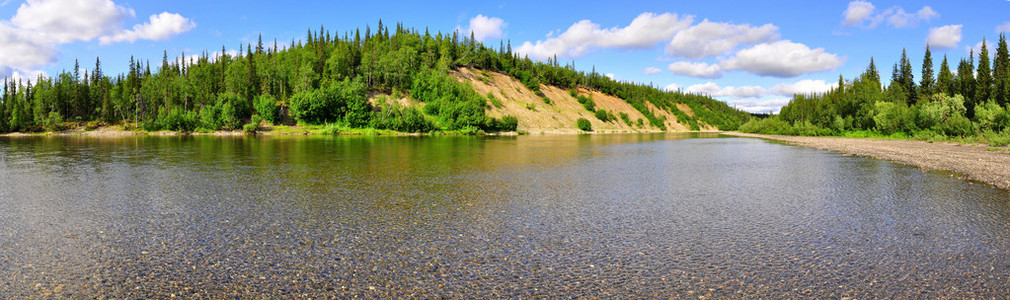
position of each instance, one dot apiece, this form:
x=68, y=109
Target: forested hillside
x=970, y=105
x=328, y=79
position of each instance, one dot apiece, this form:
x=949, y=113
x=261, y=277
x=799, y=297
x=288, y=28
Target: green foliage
x=344, y=101
x=266, y=106
x=604, y=115
x=587, y=102
x=767, y=126
x=494, y=100
x=583, y=124
x=625, y=118
x=177, y=119
x=991, y=116
x=404, y=119
x=892, y=117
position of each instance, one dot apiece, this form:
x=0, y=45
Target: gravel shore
x=973, y=161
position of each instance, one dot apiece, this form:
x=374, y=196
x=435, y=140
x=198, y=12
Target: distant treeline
x=971, y=104
x=327, y=79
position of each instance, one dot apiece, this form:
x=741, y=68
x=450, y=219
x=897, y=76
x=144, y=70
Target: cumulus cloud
x=857, y=12
x=803, y=87
x=782, y=59
x=160, y=27
x=652, y=70
x=714, y=90
x=21, y=49
x=861, y=13
x=484, y=28
x=944, y=37
x=759, y=105
x=698, y=69
x=1003, y=28
x=64, y=21
x=712, y=38
x=673, y=87
x=645, y=31
x=32, y=37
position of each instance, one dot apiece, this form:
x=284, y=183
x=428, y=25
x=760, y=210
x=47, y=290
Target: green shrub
x=767, y=126
x=583, y=124
x=625, y=118
x=991, y=116
x=603, y=115
x=892, y=117
x=546, y=100
x=266, y=106
x=177, y=119
x=957, y=125
x=403, y=119
x=344, y=101
x=494, y=100
x=209, y=118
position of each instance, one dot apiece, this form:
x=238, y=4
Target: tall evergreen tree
x=927, y=84
x=983, y=79
x=1001, y=73
x=966, y=77
x=906, y=78
x=945, y=81
x=872, y=76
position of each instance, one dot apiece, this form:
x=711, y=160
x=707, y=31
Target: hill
x=393, y=79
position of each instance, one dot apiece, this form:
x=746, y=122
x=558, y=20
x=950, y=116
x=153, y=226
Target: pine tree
x=983, y=80
x=872, y=76
x=906, y=78
x=945, y=81
x=1001, y=73
x=927, y=84
x=966, y=77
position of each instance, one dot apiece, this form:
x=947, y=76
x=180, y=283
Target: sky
x=751, y=54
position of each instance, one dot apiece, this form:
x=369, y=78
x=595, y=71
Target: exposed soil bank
x=973, y=161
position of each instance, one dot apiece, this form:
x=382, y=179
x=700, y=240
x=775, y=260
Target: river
x=615, y=216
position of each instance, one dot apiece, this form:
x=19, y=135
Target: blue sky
x=752, y=54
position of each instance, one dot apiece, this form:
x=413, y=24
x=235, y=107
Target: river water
x=625, y=216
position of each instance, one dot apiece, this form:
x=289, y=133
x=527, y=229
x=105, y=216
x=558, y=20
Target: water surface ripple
x=616, y=216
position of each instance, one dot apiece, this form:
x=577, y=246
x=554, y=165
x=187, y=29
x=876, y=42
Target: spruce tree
x=966, y=77
x=906, y=78
x=983, y=80
x=1001, y=73
x=927, y=84
x=872, y=76
x=945, y=81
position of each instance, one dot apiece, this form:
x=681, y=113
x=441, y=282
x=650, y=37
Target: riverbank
x=975, y=162
x=270, y=130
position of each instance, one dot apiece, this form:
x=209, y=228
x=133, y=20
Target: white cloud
x=160, y=27
x=944, y=37
x=484, y=28
x=711, y=38
x=64, y=21
x=31, y=38
x=652, y=70
x=699, y=69
x=609, y=75
x=673, y=87
x=1003, y=28
x=713, y=89
x=782, y=59
x=644, y=31
x=759, y=105
x=21, y=49
x=861, y=13
x=802, y=87
x=857, y=12
x=927, y=13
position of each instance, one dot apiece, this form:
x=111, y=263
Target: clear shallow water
x=669, y=216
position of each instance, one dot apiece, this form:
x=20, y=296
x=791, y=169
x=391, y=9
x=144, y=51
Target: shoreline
x=117, y=130
x=974, y=162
